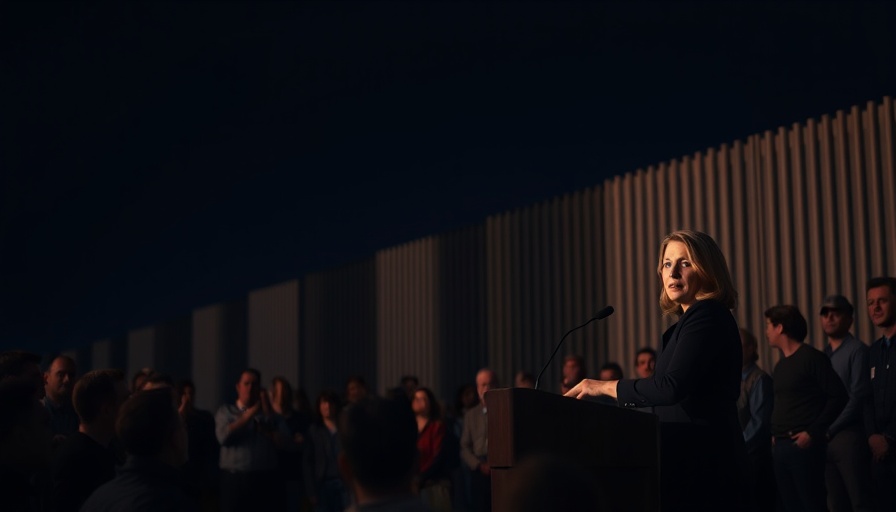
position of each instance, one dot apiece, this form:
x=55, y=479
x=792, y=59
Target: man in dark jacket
x=379, y=451
x=152, y=433
x=880, y=416
x=87, y=458
x=24, y=443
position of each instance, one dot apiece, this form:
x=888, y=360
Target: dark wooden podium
x=619, y=446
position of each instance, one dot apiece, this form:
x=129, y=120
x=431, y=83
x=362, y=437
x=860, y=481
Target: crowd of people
x=817, y=434
x=101, y=442
x=820, y=431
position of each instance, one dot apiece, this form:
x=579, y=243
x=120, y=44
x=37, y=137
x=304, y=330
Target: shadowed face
x=485, y=380
x=60, y=379
x=248, y=389
x=188, y=394
x=835, y=323
x=609, y=374
x=355, y=392
x=881, y=307
x=276, y=390
x=774, y=334
x=420, y=404
x=645, y=365
x=326, y=410
x=572, y=371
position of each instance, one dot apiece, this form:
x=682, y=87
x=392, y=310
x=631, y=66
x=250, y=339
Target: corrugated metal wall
x=165, y=347
x=141, y=350
x=109, y=353
x=800, y=212
x=273, y=331
x=174, y=347
x=219, y=348
x=408, y=288
x=82, y=357
x=463, y=316
x=339, y=336
x=101, y=354
x=545, y=277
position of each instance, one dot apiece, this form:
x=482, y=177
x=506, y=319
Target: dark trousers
x=481, y=489
x=252, y=490
x=332, y=496
x=702, y=469
x=800, y=475
x=848, y=473
x=761, y=488
x=884, y=476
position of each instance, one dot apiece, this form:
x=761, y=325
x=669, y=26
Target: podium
x=619, y=447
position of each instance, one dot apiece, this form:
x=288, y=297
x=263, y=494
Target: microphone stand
x=607, y=311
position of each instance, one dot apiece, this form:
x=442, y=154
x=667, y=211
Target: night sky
x=160, y=157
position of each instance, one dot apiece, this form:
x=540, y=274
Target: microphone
x=604, y=313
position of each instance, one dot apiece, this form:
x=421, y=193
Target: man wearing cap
x=847, y=473
x=880, y=416
x=474, y=443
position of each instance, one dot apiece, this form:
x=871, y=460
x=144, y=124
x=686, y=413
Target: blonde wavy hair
x=709, y=263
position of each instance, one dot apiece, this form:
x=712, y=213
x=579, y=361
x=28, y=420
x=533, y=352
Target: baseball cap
x=836, y=303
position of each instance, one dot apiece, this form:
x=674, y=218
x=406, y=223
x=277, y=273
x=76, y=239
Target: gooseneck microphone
x=604, y=313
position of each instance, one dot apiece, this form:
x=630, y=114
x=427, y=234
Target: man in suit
x=880, y=415
x=474, y=442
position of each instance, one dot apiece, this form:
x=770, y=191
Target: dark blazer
x=319, y=459
x=142, y=485
x=698, y=371
x=880, y=410
x=694, y=392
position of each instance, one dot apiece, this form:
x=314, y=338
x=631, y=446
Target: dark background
x=158, y=157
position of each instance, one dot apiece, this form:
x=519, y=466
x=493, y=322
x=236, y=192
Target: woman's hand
x=879, y=447
x=591, y=387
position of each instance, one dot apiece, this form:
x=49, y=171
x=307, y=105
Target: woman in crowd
x=323, y=485
x=696, y=383
x=433, y=476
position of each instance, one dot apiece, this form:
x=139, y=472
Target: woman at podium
x=696, y=384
